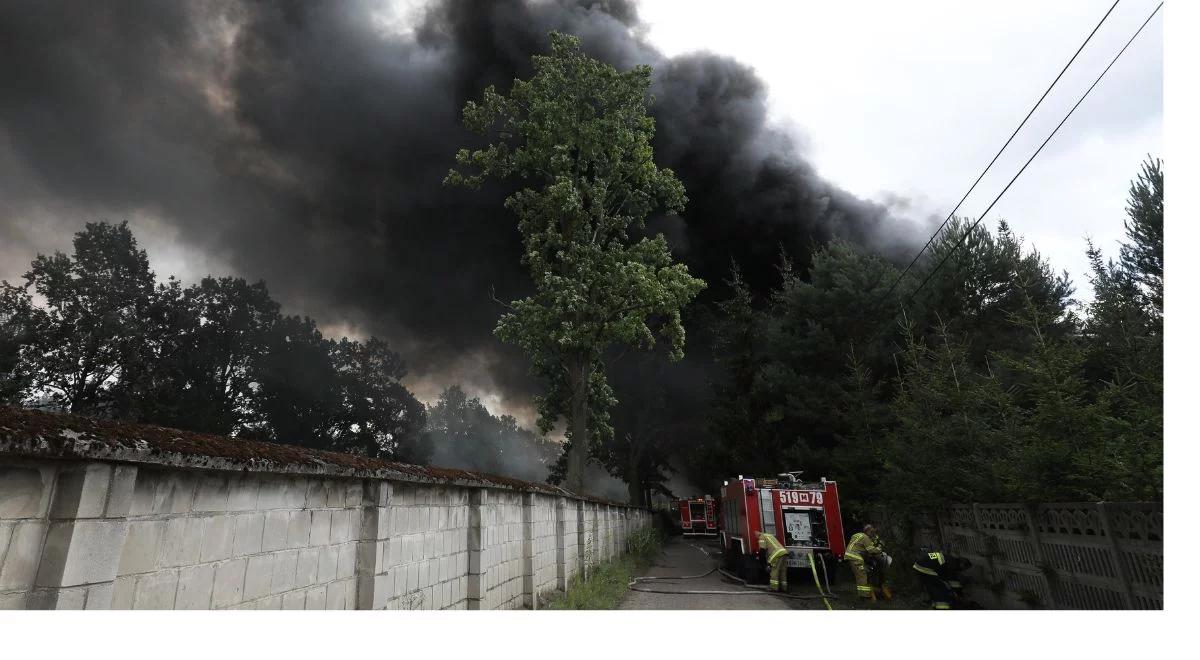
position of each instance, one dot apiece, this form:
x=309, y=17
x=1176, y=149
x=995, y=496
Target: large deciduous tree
x=92, y=323
x=578, y=135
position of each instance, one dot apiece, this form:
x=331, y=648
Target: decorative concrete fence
x=1105, y=555
x=98, y=514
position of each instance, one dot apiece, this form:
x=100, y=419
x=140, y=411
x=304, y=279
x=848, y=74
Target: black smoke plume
x=304, y=143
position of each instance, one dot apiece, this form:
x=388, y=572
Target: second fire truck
x=697, y=516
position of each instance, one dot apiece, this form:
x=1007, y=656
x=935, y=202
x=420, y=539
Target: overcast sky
x=914, y=99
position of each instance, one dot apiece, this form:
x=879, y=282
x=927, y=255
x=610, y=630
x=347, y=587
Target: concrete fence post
x=375, y=584
x=528, y=583
x=1115, y=549
x=560, y=544
x=83, y=544
x=476, y=544
x=581, y=539
x=1039, y=555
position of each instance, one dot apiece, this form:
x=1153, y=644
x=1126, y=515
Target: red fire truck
x=697, y=516
x=805, y=517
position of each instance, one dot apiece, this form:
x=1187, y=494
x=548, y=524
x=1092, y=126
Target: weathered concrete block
x=212, y=494
x=293, y=600
x=335, y=598
x=327, y=561
x=74, y=598
x=181, y=545
x=217, y=542
x=335, y=494
x=371, y=555
x=81, y=491
x=120, y=492
x=275, y=532
x=25, y=491
x=123, y=590
x=156, y=591
x=143, y=541
x=299, y=524
x=321, y=523
x=347, y=560
x=354, y=494
x=248, y=534
x=306, y=567
x=23, y=555
x=316, y=495
x=195, y=588
x=258, y=576
x=295, y=492
x=228, y=583
x=243, y=493
x=173, y=492
x=314, y=599
x=144, y=489
x=339, y=527
x=81, y=552
x=272, y=494
x=283, y=571
x=381, y=592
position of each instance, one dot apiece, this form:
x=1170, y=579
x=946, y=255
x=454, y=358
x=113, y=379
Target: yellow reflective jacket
x=861, y=544
x=774, y=549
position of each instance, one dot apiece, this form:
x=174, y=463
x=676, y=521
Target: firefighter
x=864, y=547
x=776, y=559
x=939, y=575
x=878, y=567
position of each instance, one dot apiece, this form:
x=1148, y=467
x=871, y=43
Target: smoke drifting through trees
x=304, y=143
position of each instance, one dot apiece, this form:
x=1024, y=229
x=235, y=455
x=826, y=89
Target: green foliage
x=993, y=389
x=213, y=357
x=608, y=583
x=92, y=321
x=193, y=367
x=577, y=132
x=16, y=309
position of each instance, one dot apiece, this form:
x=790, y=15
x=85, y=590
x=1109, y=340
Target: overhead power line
x=978, y=220
x=994, y=158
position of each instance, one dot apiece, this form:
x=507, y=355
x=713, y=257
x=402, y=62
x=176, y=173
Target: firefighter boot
x=886, y=591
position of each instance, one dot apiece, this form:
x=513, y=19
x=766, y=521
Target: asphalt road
x=690, y=556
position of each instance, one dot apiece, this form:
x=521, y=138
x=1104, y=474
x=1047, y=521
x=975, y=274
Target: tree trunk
x=636, y=492
x=578, y=457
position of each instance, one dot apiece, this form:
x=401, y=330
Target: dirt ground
x=689, y=556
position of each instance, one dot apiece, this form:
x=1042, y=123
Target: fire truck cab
x=805, y=517
x=697, y=516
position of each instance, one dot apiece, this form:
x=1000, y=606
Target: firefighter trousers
x=779, y=574
x=860, y=578
x=941, y=596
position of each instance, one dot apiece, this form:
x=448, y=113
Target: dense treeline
x=92, y=333
x=990, y=384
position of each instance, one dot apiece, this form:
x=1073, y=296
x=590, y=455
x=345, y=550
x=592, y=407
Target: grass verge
x=608, y=581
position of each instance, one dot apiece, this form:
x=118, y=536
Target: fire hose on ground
x=751, y=589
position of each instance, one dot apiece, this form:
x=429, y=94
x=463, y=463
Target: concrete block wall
x=427, y=547
x=26, y=489
x=571, y=557
x=96, y=532
x=541, y=547
x=242, y=541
